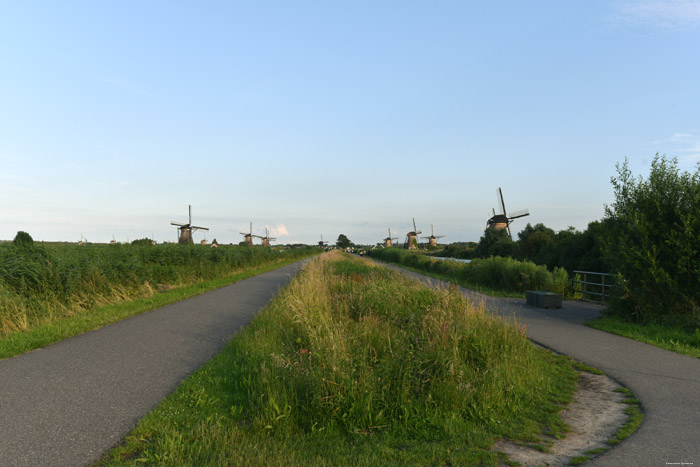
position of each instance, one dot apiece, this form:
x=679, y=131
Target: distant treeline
x=39, y=282
x=649, y=238
x=570, y=249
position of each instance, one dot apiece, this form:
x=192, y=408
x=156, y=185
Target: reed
x=42, y=283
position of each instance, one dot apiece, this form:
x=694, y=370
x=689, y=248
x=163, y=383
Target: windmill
x=432, y=240
x=411, y=243
x=503, y=219
x=389, y=239
x=248, y=236
x=322, y=244
x=185, y=236
x=266, y=239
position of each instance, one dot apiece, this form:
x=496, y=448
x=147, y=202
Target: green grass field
x=354, y=364
x=51, y=292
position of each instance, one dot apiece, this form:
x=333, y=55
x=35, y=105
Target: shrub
x=654, y=242
x=23, y=239
x=497, y=272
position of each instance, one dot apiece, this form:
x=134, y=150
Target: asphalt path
x=667, y=383
x=66, y=404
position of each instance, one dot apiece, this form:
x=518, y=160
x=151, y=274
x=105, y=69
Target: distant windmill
x=248, y=236
x=266, y=239
x=432, y=240
x=389, y=239
x=411, y=243
x=82, y=240
x=322, y=244
x=185, y=237
x=503, y=219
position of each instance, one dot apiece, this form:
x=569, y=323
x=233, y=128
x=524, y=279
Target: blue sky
x=334, y=117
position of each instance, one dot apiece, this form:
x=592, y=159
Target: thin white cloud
x=681, y=137
x=683, y=145
x=691, y=155
x=665, y=14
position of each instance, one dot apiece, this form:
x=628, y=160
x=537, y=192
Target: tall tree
x=343, y=242
x=496, y=243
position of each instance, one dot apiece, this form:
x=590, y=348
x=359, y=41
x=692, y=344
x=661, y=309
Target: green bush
x=496, y=272
x=654, y=243
x=23, y=239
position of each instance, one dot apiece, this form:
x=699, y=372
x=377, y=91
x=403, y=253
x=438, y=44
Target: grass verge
x=354, y=364
x=673, y=338
x=634, y=421
x=48, y=333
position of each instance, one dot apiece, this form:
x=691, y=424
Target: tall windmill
x=389, y=239
x=432, y=240
x=248, y=236
x=411, y=243
x=266, y=239
x=322, y=244
x=502, y=220
x=185, y=236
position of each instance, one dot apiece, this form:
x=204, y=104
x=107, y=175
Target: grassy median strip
x=354, y=364
x=61, y=327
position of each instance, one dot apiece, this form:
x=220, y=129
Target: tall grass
x=354, y=364
x=505, y=274
x=41, y=283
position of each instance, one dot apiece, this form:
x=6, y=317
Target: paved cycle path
x=667, y=383
x=68, y=403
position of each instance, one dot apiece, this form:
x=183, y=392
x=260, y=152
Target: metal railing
x=592, y=284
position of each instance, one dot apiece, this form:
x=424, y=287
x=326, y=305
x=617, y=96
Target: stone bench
x=543, y=299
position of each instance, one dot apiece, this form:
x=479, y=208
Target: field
x=51, y=291
x=355, y=364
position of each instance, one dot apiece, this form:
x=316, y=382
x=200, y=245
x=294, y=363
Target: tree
x=496, y=242
x=343, y=242
x=23, y=239
x=653, y=242
x=533, y=241
x=142, y=242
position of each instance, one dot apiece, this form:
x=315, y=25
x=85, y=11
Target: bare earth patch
x=594, y=416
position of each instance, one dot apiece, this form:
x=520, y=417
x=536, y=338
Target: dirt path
x=66, y=404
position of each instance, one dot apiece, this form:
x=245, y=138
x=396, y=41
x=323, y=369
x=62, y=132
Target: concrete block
x=543, y=299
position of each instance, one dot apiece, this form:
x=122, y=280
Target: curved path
x=667, y=383
x=70, y=402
